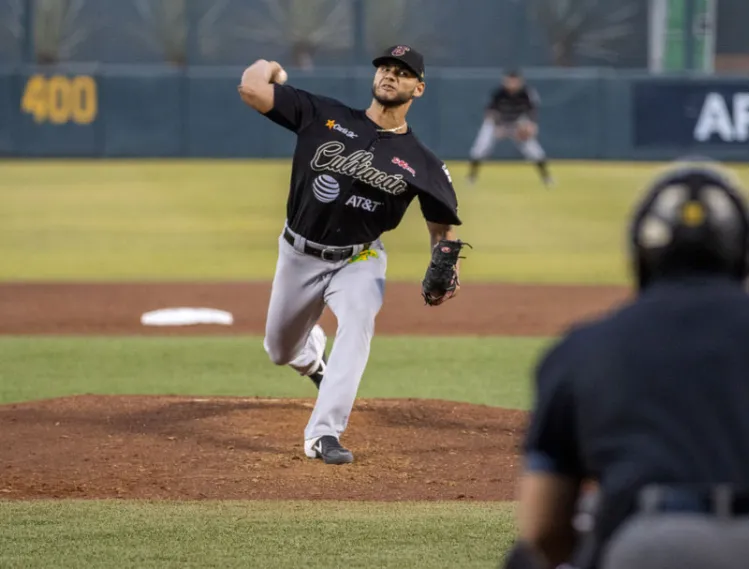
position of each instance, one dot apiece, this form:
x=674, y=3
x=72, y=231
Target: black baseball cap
x=410, y=57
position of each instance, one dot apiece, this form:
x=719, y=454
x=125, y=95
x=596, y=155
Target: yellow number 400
x=59, y=99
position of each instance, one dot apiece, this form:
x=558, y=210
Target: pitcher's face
x=395, y=84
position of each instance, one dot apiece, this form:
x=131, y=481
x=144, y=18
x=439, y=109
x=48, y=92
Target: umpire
x=651, y=402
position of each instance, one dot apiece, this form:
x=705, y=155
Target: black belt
x=326, y=253
x=731, y=502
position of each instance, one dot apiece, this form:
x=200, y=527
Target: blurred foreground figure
x=650, y=403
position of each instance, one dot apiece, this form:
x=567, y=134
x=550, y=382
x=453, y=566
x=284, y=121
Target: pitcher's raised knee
x=277, y=352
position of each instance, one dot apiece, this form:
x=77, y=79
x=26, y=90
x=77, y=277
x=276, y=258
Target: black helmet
x=692, y=220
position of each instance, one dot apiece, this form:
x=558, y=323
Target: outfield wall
x=157, y=111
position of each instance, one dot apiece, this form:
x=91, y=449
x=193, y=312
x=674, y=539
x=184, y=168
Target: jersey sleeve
x=439, y=204
x=551, y=443
x=294, y=109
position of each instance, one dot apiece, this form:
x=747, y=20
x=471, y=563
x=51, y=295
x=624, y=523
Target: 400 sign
x=60, y=99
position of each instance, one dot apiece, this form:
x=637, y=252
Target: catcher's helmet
x=692, y=220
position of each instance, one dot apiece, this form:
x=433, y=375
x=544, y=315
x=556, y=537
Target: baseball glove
x=441, y=279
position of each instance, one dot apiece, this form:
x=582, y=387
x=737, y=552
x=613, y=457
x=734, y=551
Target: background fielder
x=511, y=112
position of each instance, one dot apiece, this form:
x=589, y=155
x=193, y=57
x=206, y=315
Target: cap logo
x=693, y=214
x=400, y=50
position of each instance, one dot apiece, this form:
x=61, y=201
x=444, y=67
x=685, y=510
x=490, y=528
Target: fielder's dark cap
x=409, y=56
x=692, y=220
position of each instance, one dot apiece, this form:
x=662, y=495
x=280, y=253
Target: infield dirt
x=222, y=448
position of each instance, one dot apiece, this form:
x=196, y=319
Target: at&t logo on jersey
x=333, y=125
x=363, y=203
x=326, y=188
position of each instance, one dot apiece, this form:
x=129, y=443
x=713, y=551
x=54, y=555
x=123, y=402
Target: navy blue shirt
x=351, y=183
x=657, y=392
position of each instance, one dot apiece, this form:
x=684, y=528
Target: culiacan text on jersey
x=358, y=165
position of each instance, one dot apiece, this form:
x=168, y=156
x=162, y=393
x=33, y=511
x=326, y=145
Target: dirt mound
x=239, y=448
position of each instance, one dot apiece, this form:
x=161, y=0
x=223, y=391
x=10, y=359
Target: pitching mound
x=232, y=448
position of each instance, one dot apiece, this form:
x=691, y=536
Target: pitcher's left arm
x=440, y=211
x=441, y=280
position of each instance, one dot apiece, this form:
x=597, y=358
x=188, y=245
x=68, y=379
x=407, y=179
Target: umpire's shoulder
x=560, y=360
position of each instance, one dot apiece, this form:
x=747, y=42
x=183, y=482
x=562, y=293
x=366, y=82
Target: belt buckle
x=331, y=255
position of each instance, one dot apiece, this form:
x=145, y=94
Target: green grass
x=218, y=220
x=268, y=535
x=489, y=371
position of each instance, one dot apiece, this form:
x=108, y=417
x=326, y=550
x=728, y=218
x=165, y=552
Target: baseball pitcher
x=354, y=174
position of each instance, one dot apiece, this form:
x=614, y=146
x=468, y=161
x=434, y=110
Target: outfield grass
x=218, y=220
x=268, y=535
x=489, y=371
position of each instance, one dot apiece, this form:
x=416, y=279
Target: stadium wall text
x=155, y=111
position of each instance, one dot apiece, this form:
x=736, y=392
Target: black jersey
x=351, y=183
x=511, y=106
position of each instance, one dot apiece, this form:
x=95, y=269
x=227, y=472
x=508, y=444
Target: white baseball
x=281, y=77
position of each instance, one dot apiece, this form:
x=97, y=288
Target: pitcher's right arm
x=262, y=88
x=256, y=87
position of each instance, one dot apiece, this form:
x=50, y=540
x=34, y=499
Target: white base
x=186, y=316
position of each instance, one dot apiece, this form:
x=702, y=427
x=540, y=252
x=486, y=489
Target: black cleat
x=329, y=449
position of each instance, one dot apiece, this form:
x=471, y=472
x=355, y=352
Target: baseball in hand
x=281, y=77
